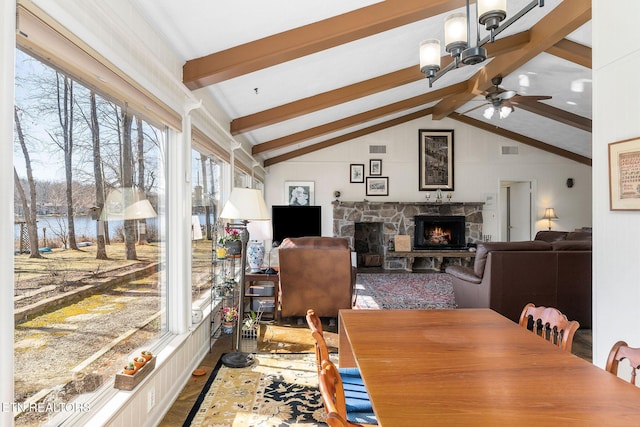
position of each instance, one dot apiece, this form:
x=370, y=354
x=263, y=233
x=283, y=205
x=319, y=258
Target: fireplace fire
x=439, y=232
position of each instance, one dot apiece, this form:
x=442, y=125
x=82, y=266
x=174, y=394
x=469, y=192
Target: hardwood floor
x=181, y=407
x=582, y=347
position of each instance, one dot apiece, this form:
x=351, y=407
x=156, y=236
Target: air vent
x=509, y=150
x=377, y=149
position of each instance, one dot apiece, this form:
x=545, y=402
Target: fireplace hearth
x=439, y=232
x=397, y=218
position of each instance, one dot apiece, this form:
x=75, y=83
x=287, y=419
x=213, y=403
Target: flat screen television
x=295, y=221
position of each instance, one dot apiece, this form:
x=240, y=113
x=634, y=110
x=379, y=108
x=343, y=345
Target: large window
x=205, y=207
x=89, y=238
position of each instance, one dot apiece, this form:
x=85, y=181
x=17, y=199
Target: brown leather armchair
x=315, y=272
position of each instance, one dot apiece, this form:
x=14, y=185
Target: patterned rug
x=404, y=290
x=277, y=390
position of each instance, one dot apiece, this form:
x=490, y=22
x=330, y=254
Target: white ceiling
x=196, y=28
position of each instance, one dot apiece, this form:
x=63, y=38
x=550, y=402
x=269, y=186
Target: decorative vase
x=221, y=253
x=255, y=255
x=233, y=247
x=227, y=327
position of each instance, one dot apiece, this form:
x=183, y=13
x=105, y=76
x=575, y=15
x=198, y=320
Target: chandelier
x=457, y=36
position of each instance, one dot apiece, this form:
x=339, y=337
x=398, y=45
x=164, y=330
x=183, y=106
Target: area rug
x=404, y=290
x=277, y=390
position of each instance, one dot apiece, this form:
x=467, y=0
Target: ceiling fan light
x=488, y=113
x=491, y=13
x=430, y=57
x=504, y=112
x=455, y=33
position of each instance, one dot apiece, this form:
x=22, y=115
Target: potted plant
x=251, y=321
x=129, y=369
x=147, y=355
x=139, y=362
x=230, y=239
x=229, y=318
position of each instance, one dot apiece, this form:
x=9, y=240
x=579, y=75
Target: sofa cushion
x=464, y=273
x=579, y=235
x=550, y=235
x=484, y=249
x=572, y=245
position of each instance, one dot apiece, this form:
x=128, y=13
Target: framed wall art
x=624, y=175
x=377, y=186
x=375, y=167
x=299, y=193
x=356, y=173
x=435, y=158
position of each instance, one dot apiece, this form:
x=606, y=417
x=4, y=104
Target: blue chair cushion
x=362, y=417
x=349, y=372
x=359, y=409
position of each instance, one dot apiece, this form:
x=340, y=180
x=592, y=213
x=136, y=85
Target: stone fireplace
x=369, y=226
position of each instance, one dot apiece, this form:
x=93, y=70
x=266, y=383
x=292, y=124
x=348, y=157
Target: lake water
x=85, y=226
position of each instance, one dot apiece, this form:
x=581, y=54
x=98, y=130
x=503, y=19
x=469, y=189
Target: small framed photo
x=378, y=186
x=356, y=173
x=624, y=179
x=299, y=193
x=375, y=167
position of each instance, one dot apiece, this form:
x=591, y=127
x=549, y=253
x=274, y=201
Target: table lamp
x=258, y=232
x=244, y=204
x=549, y=214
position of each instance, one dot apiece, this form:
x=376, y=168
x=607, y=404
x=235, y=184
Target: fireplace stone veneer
x=398, y=218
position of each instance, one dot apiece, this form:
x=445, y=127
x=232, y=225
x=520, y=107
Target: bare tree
x=65, y=103
x=97, y=171
x=127, y=183
x=142, y=236
x=29, y=207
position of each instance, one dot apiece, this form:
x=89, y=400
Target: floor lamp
x=244, y=204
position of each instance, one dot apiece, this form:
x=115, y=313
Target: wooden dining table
x=475, y=367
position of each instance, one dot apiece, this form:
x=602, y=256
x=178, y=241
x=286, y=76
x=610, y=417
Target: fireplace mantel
x=397, y=218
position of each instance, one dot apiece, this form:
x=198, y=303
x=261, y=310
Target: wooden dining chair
x=621, y=351
x=322, y=349
x=338, y=413
x=550, y=324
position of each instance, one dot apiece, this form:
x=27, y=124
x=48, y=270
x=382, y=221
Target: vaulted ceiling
x=295, y=76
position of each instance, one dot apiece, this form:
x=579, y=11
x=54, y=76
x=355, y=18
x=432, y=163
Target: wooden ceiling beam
x=572, y=51
x=346, y=137
x=557, y=114
x=309, y=39
x=521, y=138
x=357, y=119
x=553, y=27
x=357, y=90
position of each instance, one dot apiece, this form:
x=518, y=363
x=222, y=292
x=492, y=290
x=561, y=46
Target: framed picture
x=624, y=175
x=377, y=186
x=299, y=193
x=435, y=158
x=357, y=173
x=375, y=167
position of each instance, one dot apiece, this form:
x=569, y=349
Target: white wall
x=616, y=288
x=478, y=169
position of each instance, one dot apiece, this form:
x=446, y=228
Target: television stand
x=438, y=256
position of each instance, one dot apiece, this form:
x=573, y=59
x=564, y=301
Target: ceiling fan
x=501, y=101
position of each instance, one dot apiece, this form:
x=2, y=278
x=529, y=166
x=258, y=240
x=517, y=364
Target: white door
x=516, y=210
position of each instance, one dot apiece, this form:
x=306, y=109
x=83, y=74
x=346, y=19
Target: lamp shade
x=260, y=230
x=455, y=32
x=245, y=204
x=429, y=55
x=549, y=213
x=126, y=203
